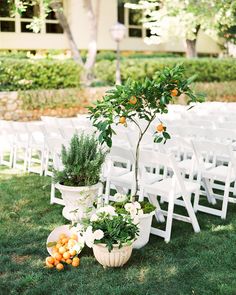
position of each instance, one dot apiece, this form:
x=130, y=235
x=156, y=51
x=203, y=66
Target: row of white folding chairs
x=210, y=166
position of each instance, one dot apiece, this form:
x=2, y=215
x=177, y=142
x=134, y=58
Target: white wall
x=78, y=21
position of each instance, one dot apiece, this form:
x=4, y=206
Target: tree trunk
x=93, y=16
x=56, y=5
x=191, y=50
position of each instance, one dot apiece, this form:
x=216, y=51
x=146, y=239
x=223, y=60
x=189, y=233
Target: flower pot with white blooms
x=78, y=182
x=111, y=235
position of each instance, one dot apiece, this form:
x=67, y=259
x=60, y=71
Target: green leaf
x=51, y=244
x=166, y=135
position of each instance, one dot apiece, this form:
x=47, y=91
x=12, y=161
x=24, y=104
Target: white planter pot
x=145, y=222
x=78, y=198
x=116, y=258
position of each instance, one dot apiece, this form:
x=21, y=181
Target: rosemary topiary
x=82, y=162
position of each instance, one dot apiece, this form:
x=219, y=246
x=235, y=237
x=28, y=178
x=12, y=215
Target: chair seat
x=164, y=186
x=125, y=179
x=219, y=173
x=190, y=165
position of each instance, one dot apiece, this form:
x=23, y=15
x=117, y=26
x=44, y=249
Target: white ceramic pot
x=116, y=258
x=78, y=199
x=145, y=222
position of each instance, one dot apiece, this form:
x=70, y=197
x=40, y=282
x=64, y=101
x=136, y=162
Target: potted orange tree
x=137, y=100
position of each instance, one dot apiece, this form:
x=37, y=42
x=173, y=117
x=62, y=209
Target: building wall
x=80, y=28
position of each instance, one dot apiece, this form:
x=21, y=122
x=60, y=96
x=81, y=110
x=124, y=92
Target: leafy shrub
x=82, y=162
x=19, y=74
x=205, y=69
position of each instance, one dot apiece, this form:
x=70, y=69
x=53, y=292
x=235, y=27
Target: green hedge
x=38, y=74
x=206, y=69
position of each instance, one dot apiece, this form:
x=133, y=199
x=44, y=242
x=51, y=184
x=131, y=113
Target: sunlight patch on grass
x=219, y=228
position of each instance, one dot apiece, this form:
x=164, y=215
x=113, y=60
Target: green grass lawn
x=201, y=264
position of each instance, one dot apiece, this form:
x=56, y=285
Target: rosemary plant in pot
x=137, y=100
x=78, y=182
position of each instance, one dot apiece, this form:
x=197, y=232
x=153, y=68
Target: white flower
x=136, y=219
x=128, y=206
x=110, y=210
x=89, y=237
x=98, y=234
x=137, y=205
x=133, y=212
x=140, y=212
x=79, y=245
x=79, y=227
x=94, y=217
x=119, y=197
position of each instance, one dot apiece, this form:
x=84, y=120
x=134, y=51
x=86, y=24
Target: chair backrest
x=168, y=165
x=121, y=154
x=211, y=151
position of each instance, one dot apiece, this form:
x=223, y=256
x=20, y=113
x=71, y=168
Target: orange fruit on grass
x=69, y=261
x=66, y=255
x=49, y=265
x=72, y=252
x=174, y=92
x=62, y=236
x=50, y=260
x=57, y=256
x=75, y=263
x=133, y=100
x=74, y=237
x=60, y=266
x=160, y=128
x=62, y=249
x=56, y=262
x=122, y=120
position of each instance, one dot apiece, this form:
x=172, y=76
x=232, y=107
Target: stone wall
x=13, y=106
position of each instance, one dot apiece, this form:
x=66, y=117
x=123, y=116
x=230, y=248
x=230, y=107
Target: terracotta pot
x=116, y=258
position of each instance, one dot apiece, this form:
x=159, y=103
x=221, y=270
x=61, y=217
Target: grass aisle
x=203, y=263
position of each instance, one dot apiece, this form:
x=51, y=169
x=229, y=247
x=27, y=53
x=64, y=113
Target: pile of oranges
x=63, y=253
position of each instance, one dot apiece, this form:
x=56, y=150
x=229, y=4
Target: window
x=19, y=23
x=7, y=23
x=131, y=18
x=52, y=24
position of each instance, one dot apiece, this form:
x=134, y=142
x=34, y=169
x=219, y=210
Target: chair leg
x=169, y=220
x=196, y=202
x=225, y=200
x=191, y=214
x=158, y=214
x=52, y=196
x=209, y=192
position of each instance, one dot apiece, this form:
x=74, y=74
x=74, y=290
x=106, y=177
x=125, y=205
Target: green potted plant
x=138, y=100
x=111, y=235
x=142, y=211
x=78, y=182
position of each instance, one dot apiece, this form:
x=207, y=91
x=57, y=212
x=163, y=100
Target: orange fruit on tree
x=174, y=92
x=122, y=120
x=66, y=255
x=133, y=100
x=62, y=250
x=69, y=261
x=60, y=266
x=160, y=128
x=57, y=256
x=50, y=260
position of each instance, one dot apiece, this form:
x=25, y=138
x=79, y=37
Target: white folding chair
x=7, y=143
x=223, y=170
x=171, y=187
x=119, y=174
